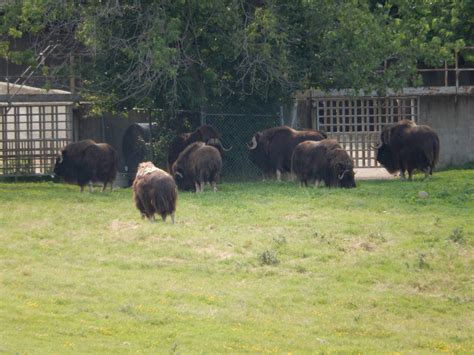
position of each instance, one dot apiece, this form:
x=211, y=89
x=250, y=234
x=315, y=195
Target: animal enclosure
x=237, y=130
x=31, y=137
x=356, y=123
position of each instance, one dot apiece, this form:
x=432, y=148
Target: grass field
x=257, y=267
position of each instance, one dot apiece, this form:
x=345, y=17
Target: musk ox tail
x=435, y=153
x=165, y=198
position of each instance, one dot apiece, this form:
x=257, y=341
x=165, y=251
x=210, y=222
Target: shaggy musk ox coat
x=323, y=161
x=271, y=150
x=154, y=191
x=86, y=162
x=197, y=165
x=205, y=133
x=405, y=146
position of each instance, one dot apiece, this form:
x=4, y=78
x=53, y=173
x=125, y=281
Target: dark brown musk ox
x=86, y=162
x=154, y=191
x=324, y=161
x=204, y=133
x=197, y=165
x=271, y=149
x=406, y=146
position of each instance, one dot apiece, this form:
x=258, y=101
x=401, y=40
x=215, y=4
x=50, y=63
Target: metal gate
x=356, y=123
x=31, y=136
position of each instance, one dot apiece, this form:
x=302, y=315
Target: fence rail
x=31, y=138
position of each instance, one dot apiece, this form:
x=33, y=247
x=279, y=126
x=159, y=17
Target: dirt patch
x=117, y=225
x=366, y=246
x=372, y=174
x=214, y=252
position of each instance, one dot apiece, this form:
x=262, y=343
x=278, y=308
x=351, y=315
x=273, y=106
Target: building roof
x=411, y=91
x=12, y=89
x=11, y=95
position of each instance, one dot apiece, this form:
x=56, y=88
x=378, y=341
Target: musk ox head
x=256, y=152
x=208, y=135
x=385, y=157
x=258, y=156
x=384, y=152
x=346, y=177
x=252, y=145
x=62, y=166
x=179, y=173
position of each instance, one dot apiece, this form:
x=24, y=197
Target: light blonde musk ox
x=154, y=192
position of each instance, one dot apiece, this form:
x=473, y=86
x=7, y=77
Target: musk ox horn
x=178, y=174
x=343, y=173
x=378, y=146
x=225, y=149
x=254, y=143
x=61, y=158
x=217, y=141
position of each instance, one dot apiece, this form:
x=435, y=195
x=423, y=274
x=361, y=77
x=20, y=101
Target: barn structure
x=34, y=124
x=357, y=120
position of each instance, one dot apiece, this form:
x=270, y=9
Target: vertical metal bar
x=29, y=139
x=418, y=109
x=457, y=68
x=203, y=116
x=102, y=129
x=445, y=73
x=350, y=123
x=72, y=79
x=456, y=58
x=282, y=122
x=16, y=140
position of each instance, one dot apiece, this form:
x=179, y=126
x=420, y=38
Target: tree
x=194, y=54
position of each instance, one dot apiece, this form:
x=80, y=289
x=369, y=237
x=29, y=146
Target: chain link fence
x=237, y=131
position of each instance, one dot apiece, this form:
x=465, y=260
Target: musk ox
x=406, y=146
x=324, y=161
x=154, y=191
x=271, y=150
x=205, y=133
x=86, y=162
x=197, y=165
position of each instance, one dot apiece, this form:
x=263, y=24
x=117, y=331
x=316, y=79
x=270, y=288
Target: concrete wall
x=107, y=128
x=453, y=119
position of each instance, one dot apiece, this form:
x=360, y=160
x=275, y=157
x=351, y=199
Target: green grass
x=256, y=267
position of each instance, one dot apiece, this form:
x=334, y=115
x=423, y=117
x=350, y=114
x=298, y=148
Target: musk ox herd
x=195, y=159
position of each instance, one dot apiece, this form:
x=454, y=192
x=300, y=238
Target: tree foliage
x=194, y=54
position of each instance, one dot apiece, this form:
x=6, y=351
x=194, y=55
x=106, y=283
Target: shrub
x=268, y=257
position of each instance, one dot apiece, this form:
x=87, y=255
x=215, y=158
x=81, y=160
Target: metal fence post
x=203, y=117
x=282, y=120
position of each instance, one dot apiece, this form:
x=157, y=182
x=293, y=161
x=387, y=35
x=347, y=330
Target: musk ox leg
x=214, y=186
x=317, y=183
x=197, y=186
x=278, y=174
x=172, y=217
x=103, y=187
x=428, y=171
x=140, y=207
x=203, y=184
x=91, y=188
x=163, y=217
